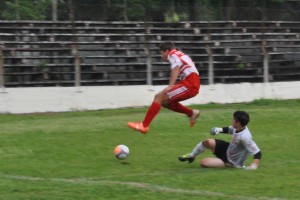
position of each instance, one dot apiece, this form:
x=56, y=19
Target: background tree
x=26, y=9
x=152, y=10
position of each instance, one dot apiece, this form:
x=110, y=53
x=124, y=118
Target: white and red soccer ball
x=121, y=152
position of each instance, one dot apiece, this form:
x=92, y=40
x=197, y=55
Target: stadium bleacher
x=43, y=53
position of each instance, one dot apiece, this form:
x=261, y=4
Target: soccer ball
x=121, y=152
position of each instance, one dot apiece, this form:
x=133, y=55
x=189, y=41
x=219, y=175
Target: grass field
x=70, y=155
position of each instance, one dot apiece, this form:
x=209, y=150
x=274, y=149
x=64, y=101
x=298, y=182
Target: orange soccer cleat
x=194, y=117
x=138, y=126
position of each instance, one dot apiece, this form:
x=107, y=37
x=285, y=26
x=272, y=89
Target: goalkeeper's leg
x=212, y=163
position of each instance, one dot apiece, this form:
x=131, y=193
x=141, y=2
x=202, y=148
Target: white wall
x=57, y=99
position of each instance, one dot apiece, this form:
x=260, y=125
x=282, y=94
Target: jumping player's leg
x=191, y=114
x=178, y=107
x=168, y=98
x=153, y=110
x=181, y=92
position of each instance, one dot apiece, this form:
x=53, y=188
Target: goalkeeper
x=229, y=154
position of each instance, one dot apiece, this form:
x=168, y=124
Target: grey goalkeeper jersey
x=240, y=147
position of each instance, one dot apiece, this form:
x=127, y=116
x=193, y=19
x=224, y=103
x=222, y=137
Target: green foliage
x=241, y=66
x=172, y=17
x=279, y=1
x=26, y=9
x=66, y=156
x=42, y=65
x=143, y=10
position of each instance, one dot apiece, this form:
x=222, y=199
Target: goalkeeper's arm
x=255, y=163
x=226, y=130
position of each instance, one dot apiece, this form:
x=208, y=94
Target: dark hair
x=242, y=117
x=166, y=46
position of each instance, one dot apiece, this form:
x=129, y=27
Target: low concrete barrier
x=60, y=99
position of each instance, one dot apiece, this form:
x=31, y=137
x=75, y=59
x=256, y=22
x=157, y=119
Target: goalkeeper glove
x=251, y=167
x=216, y=131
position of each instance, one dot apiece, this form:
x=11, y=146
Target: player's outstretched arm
x=217, y=130
x=255, y=163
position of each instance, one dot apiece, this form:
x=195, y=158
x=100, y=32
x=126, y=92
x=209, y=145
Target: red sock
x=151, y=113
x=178, y=107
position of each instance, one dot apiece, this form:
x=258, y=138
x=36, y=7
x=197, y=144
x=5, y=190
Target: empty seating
x=43, y=53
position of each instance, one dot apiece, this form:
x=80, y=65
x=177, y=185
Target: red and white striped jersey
x=183, y=61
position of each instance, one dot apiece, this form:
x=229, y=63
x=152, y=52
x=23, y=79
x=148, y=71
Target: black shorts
x=221, y=149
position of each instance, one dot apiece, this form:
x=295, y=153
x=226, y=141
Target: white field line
x=145, y=186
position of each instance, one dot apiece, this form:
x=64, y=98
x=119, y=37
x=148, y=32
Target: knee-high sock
x=199, y=148
x=178, y=107
x=151, y=113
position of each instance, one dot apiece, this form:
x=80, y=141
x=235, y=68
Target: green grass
x=70, y=155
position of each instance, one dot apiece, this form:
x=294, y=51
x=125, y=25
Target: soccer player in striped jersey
x=229, y=154
x=184, y=68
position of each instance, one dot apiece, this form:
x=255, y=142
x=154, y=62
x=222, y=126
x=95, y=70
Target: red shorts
x=185, y=89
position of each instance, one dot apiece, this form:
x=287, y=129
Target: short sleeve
x=174, y=61
x=250, y=145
